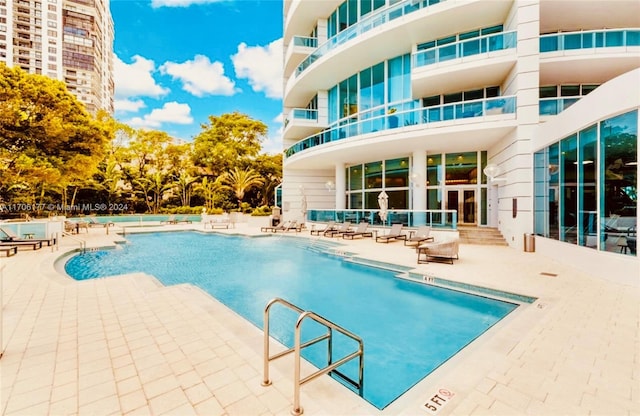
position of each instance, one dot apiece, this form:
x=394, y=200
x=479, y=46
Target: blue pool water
x=409, y=329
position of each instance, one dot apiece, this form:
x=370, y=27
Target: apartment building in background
x=516, y=115
x=69, y=40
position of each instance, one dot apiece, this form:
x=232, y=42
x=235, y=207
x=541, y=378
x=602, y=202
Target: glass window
x=355, y=200
x=373, y=175
x=434, y=198
x=397, y=173
x=540, y=176
x=355, y=177
x=434, y=170
x=371, y=200
x=569, y=90
x=568, y=189
x=398, y=199
x=473, y=95
x=619, y=182
x=587, y=198
x=461, y=168
x=365, y=7
x=377, y=85
x=549, y=91
x=483, y=164
x=586, y=89
x=431, y=101
x=365, y=90
x=333, y=104
x=491, y=92
x=394, y=91
x=553, y=191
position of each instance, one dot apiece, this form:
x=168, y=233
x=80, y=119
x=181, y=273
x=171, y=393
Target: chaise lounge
x=331, y=226
x=283, y=226
x=11, y=237
x=439, y=251
x=345, y=227
x=9, y=250
x=360, y=231
x=395, y=233
x=93, y=222
x=422, y=234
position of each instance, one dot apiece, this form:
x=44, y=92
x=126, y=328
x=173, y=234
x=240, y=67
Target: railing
x=374, y=20
x=553, y=106
x=423, y=115
x=301, y=114
x=305, y=41
x=463, y=48
x=440, y=219
x=589, y=39
x=298, y=346
x=83, y=244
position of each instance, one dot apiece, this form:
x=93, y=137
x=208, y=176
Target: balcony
x=453, y=113
x=363, y=26
x=554, y=106
x=301, y=122
x=298, y=50
x=485, y=60
x=588, y=56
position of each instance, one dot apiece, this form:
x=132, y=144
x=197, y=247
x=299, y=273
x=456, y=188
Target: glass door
x=463, y=201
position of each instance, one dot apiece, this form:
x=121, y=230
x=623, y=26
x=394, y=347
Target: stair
x=481, y=235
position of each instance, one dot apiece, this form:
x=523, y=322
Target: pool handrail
x=298, y=346
x=83, y=244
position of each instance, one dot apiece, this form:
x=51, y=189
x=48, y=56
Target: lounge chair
x=74, y=227
x=331, y=226
x=443, y=250
x=9, y=250
x=283, y=226
x=93, y=222
x=395, y=233
x=293, y=225
x=360, y=231
x=11, y=237
x=36, y=244
x=219, y=223
x=345, y=227
x=421, y=235
x=185, y=219
x=170, y=220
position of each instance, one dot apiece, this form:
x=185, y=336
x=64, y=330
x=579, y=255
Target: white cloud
x=261, y=66
x=279, y=118
x=180, y=3
x=273, y=143
x=135, y=79
x=127, y=105
x=171, y=112
x=200, y=76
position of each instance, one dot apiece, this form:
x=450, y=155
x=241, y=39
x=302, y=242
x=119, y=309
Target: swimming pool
x=408, y=328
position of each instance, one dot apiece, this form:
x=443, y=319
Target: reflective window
x=398, y=199
x=355, y=177
x=434, y=198
x=569, y=189
x=434, y=170
x=397, y=173
x=461, y=168
x=553, y=190
x=373, y=175
x=587, y=192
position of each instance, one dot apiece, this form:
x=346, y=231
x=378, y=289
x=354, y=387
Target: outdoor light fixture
x=492, y=171
x=329, y=185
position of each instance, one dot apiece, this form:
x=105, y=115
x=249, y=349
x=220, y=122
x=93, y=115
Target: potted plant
x=393, y=120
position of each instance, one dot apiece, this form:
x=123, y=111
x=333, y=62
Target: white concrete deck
x=128, y=345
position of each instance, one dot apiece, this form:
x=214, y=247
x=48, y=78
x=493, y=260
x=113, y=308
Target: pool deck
x=130, y=346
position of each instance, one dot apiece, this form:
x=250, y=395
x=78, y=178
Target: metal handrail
x=83, y=244
x=298, y=346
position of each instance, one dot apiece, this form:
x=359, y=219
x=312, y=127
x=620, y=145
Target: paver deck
x=128, y=345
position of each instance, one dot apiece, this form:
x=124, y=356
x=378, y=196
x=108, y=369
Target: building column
x=418, y=179
x=341, y=192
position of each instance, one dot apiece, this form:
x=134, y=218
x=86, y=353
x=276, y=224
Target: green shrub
x=262, y=211
x=183, y=210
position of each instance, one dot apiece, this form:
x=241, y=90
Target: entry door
x=463, y=201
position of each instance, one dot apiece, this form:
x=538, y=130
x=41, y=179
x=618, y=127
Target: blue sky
x=179, y=61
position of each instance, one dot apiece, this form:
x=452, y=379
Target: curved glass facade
x=586, y=186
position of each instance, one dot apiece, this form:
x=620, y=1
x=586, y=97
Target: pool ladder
x=298, y=346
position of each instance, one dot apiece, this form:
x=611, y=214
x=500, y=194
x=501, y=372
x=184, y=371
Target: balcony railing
x=454, y=111
x=301, y=114
x=589, y=39
x=464, y=48
x=553, y=106
x=446, y=219
x=374, y=20
x=305, y=41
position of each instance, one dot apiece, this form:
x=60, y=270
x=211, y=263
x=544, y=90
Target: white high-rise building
x=69, y=40
x=516, y=115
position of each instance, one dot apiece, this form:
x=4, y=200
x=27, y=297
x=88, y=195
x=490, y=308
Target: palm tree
x=209, y=190
x=240, y=181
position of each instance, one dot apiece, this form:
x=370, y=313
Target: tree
x=270, y=168
x=239, y=181
x=47, y=137
x=226, y=141
x=209, y=190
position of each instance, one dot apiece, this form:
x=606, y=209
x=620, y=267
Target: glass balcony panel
x=573, y=41
x=549, y=44
x=633, y=38
x=615, y=38
x=446, y=53
x=470, y=47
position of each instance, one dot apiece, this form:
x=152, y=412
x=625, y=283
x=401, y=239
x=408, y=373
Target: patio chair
x=170, y=220
x=293, y=225
x=345, y=227
x=185, y=219
x=36, y=244
x=442, y=251
x=93, y=222
x=360, y=231
x=280, y=227
x=331, y=226
x=11, y=237
x=395, y=233
x=9, y=250
x=419, y=236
